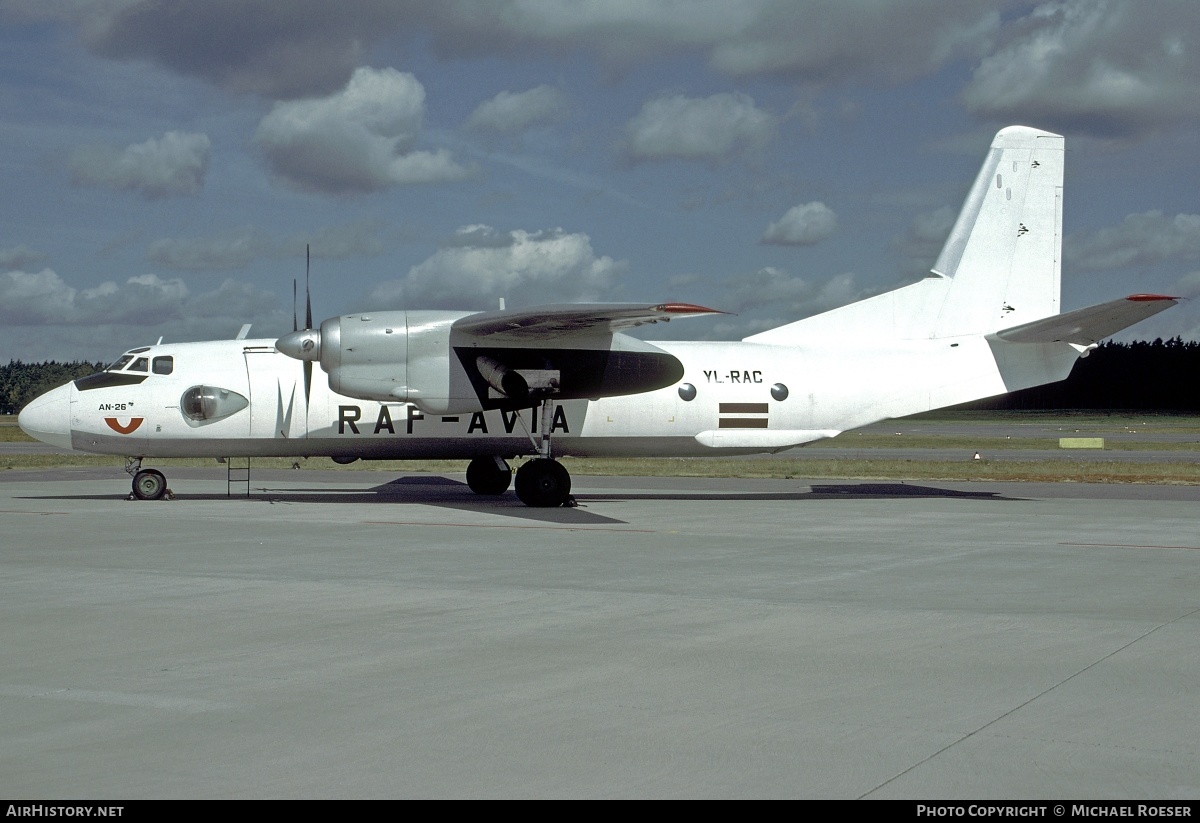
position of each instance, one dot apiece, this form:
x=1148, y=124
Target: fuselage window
x=163, y=365
x=141, y=364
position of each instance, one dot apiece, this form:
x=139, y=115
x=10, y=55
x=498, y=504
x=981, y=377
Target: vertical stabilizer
x=1003, y=256
x=1000, y=266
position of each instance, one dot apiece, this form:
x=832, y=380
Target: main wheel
x=485, y=476
x=149, y=484
x=543, y=483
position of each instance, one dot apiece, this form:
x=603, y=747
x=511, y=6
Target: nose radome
x=48, y=417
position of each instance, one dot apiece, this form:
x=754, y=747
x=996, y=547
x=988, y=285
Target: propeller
x=304, y=345
x=307, y=293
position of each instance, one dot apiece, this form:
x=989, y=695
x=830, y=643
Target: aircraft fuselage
x=733, y=398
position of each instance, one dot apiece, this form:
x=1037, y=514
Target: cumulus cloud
x=42, y=298
x=514, y=112
x=359, y=139
x=697, y=128
x=481, y=264
x=1080, y=65
x=34, y=298
x=242, y=246
x=804, y=225
x=173, y=164
x=1140, y=240
x=305, y=47
x=19, y=257
x=1109, y=68
x=770, y=297
x=144, y=302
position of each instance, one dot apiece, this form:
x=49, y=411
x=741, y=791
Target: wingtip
x=686, y=308
x=1149, y=298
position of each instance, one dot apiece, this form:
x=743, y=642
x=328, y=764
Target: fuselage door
x=278, y=401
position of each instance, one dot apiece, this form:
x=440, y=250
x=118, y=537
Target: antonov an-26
x=566, y=380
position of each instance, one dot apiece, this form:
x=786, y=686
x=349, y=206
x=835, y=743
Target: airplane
x=567, y=380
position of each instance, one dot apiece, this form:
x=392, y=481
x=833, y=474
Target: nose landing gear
x=148, y=484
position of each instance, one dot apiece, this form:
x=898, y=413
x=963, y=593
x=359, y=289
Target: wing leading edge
x=572, y=319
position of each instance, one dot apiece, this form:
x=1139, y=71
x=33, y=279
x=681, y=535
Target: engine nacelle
x=419, y=357
x=397, y=356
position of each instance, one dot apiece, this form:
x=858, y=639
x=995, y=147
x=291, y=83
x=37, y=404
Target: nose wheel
x=149, y=484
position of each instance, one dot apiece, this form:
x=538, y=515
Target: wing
x=514, y=358
x=1090, y=325
x=574, y=319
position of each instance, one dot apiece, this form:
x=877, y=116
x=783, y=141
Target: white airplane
x=565, y=380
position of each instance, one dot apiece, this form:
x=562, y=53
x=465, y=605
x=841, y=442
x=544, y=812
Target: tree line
x=1163, y=375
x=21, y=382
x=1160, y=376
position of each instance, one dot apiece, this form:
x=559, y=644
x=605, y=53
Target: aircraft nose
x=48, y=417
x=301, y=345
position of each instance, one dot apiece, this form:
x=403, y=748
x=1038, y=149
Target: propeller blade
x=295, y=325
x=307, y=293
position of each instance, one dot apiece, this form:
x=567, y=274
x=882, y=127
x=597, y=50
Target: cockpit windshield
x=131, y=362
x=121, y=363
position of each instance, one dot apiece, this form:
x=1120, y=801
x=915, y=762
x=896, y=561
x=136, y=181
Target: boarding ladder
x=237, y=472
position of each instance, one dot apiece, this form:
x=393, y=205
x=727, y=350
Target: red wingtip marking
x=686, y=308
x=1149, y=298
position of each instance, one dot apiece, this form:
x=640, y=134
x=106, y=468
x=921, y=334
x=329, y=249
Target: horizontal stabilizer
x=574, y=318
x=1087, y=326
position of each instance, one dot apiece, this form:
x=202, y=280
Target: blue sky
x=164, y=164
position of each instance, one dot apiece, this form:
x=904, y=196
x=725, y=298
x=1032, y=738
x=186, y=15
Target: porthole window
x=687, y=392
x=201, y=403
x=779, y=391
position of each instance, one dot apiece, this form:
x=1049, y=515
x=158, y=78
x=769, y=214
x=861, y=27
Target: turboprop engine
x=429, y=359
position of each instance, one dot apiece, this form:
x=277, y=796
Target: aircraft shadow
x=857, y=491
x=454, y=495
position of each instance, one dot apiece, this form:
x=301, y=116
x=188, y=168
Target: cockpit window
x=121, y=363
x=163, y=365
x=141, y=364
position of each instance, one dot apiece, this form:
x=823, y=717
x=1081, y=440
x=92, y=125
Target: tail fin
x=1005, y=251
x=1000, y=267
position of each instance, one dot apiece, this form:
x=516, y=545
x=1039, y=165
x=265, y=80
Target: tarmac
x=358, y=634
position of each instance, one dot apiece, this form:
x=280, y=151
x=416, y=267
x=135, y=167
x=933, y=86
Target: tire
x=149, y=484
x=543, y=483
x=484, y=476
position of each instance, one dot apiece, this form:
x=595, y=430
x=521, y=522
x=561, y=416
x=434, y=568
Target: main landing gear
x=489, y=475
x=541, y=482
x=148, y=484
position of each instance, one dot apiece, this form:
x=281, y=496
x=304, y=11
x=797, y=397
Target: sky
x=163, y=165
